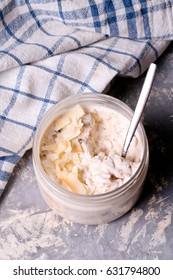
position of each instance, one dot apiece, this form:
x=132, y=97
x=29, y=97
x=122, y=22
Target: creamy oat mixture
x=81, y=150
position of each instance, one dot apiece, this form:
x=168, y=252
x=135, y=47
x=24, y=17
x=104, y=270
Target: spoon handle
x=139, y=107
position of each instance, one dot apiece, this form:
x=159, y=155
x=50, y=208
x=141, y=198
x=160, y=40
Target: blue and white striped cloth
x=52, y=49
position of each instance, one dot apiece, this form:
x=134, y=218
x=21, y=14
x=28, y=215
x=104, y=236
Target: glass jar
x=90, y=209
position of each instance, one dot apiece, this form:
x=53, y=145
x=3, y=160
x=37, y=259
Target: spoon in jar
x=139, y=107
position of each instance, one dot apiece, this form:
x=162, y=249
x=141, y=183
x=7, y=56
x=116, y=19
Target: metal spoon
x=139, y=107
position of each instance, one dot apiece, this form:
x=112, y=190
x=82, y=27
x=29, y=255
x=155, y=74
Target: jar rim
x=59, y=107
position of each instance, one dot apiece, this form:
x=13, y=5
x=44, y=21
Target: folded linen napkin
x=52, y=49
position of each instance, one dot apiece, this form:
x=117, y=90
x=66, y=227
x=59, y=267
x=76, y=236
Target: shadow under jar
x=98, y=208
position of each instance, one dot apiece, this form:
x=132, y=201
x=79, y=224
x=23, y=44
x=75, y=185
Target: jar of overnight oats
x=77, y=159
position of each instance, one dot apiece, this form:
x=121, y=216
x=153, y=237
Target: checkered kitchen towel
x=52, y=49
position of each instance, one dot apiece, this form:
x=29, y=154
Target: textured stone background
x=30, y=230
